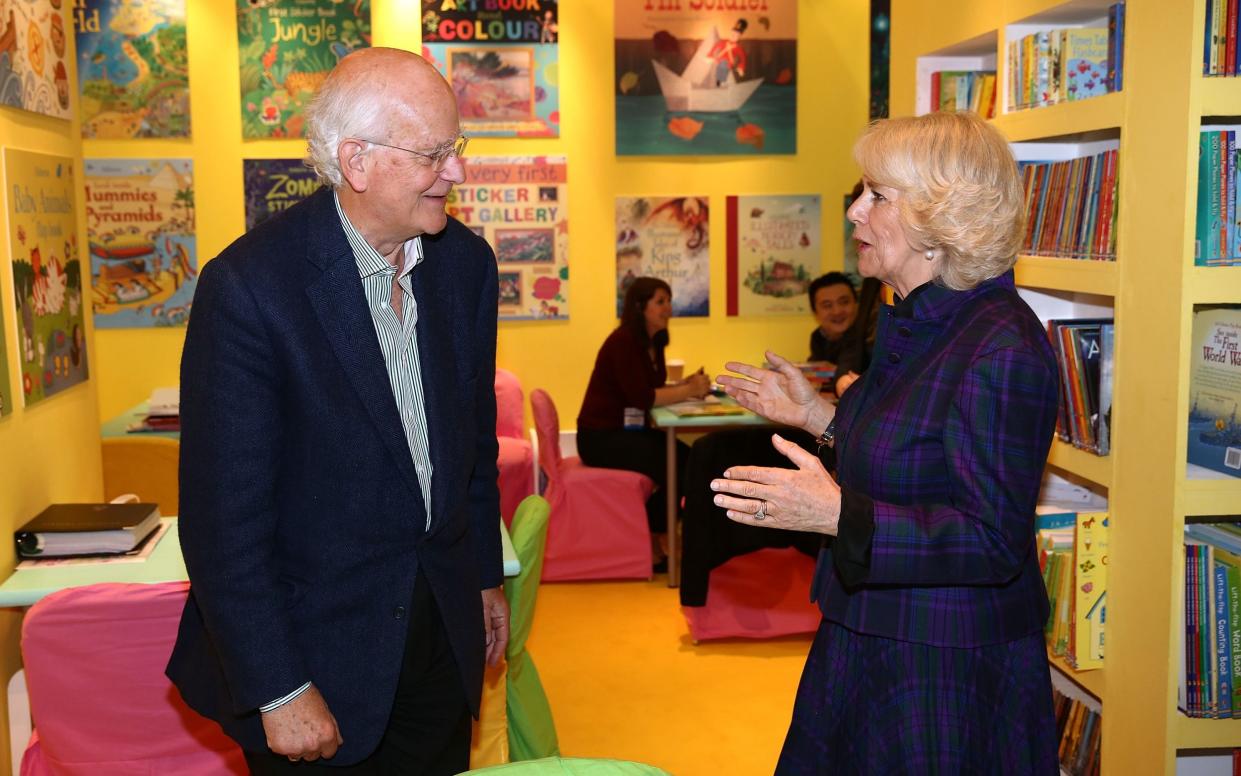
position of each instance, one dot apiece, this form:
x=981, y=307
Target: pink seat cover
x=598, y=526
x=758, y=595
x=94, y=659
x=510, y=405
x=516, y=459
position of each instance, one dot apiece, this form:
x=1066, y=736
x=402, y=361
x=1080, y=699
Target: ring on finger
x=761, y=513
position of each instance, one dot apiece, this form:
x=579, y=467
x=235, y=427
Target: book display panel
x=1148, y=294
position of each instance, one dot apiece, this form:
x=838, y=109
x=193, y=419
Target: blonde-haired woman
x=930, y=655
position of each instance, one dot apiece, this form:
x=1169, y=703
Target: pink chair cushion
x=547, y=429
x=516, y=475
x=94, y=659
x=509, y=406
x=758, y=595
x=598, y=526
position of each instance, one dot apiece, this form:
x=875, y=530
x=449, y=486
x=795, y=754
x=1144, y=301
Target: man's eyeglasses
x=437, y=158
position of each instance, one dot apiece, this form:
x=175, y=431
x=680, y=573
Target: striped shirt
x=398, y=342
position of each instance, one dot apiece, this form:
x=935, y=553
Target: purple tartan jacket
x=947, y=435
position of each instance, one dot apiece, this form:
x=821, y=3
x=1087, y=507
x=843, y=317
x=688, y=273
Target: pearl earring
x=930, y=255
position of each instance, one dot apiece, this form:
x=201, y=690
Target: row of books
x=1210, y=675
x=1071, y=207
x=1085, y=348
x=1073, y=557
x=1065, y=65
x=954, y=90
x=1217, y=234
x=1080, y=729
x=1214, y=438
x=1219, y=50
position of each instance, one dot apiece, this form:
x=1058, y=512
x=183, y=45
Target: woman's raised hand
x=699, y=385
x=782, y=395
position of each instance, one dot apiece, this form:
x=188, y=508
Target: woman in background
x=630, y=375
x=930, y=655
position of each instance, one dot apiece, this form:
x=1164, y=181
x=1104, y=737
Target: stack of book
x=1065, y=65
x=1219, y=49
x=1071, y=207
x=64, y=530
x=1085, y=348
x=953, y=90
x=163, y=413
x=1073, y=557
x=1217, y=234
x=1079, y=729
x=1210, y=675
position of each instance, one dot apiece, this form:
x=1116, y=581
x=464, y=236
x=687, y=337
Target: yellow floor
x=625, y=681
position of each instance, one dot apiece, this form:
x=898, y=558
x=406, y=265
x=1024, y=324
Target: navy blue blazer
x=301, y=519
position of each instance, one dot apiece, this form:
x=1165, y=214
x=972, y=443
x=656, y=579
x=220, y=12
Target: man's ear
x=352, y=157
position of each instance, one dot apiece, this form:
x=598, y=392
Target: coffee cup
x=676, y=370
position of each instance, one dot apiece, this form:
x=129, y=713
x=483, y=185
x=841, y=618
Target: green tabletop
x=119, y=425
x=662, y=417
x=25, y=587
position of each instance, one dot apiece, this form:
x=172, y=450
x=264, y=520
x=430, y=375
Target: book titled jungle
x=696, y=77
x=1215, y=390
x=502, y=60
x=287, y=49
x=133, y=69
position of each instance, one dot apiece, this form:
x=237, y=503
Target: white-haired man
x=339, y=512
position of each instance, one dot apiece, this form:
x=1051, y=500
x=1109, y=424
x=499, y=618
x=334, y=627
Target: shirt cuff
x=281, y=701
x=854, y=534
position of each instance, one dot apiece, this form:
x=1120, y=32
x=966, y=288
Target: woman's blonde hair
x=961, y=193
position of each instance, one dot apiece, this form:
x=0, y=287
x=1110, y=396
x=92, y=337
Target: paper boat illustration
x=696, y=90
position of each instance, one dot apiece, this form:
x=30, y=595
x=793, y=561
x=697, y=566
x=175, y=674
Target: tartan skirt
x=873, y=705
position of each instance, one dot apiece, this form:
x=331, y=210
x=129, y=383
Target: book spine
x=1223, y=649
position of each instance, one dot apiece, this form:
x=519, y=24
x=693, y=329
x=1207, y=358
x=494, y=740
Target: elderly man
x=339, y=511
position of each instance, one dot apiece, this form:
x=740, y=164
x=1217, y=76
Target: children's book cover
x=6, y=396
x=140, y=226
x=33, y=55
x=667, y=238
x=273, y=186
x=696, y=78
x=133, y=68
x=1215, y=390
x=47, y=273
x=502, y=60
x=1083, y=62
x=520, y=206
x=774, y=250
x=287, y=48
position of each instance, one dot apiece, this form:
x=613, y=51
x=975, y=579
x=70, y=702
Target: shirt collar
x=931, y=300
x=367, y=258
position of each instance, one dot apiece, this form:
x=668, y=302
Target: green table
x=672, y=424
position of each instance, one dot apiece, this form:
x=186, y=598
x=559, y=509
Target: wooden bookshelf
x=1088, y=466
x=1090, y=681
x=1092, y=277
x=1152, y=287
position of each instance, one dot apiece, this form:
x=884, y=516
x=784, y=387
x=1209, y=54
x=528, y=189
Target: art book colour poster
x=1215, y=390
x=140, y=224
x=518, y=204
x=275, y=185
x=34, y=75
x=774, y=251
x=700, y=77
x=287, y=49
x=667, y=238
x=501, y=58
x=133, y=70
x=47, y=273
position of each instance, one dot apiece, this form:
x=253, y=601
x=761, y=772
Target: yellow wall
x=557, y=356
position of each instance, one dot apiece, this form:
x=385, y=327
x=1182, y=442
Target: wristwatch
x=828, y=437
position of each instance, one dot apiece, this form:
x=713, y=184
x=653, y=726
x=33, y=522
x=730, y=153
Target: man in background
x=339, y=514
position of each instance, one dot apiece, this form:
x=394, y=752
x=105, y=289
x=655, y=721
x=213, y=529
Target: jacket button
x=904, y=331
x=398, y=613
x=894, y=358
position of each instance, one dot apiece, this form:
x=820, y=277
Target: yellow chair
x=143, y=465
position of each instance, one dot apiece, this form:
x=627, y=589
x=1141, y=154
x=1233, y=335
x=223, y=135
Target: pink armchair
x=758, y=595
x=516, y=460
x=598, y=526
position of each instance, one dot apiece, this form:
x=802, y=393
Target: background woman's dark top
x=624, y=376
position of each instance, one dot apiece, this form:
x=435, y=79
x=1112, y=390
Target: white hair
x=340, y=109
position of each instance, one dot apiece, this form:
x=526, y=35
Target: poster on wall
x=143, y=254
x=667, y=238
x=47, y=273
x=33, y=73
x=716, y=80
x=274, y=185
x=133, y=68
x=502, y=62
x=287, y=49
x=6, y=396
x=519, y=205
x=774, y=251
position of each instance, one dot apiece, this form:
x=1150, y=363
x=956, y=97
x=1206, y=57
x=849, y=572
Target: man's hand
x=495, y=623
x=303, y=728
